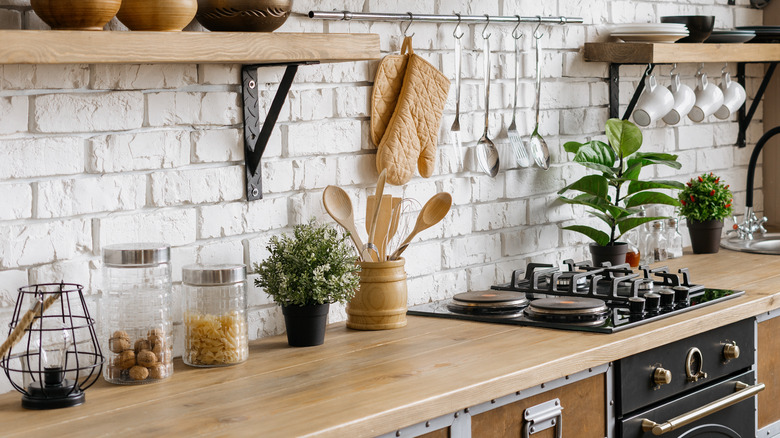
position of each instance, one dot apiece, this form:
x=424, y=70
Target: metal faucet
x=751, y=223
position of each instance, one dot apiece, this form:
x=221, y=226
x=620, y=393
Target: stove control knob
x=667, y=298
x=730, y=351
x=662, y=376
x=681, y=294
x=652, y=301
x=636, y=305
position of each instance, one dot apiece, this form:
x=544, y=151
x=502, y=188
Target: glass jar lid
x=136, y=254
x=213, y=275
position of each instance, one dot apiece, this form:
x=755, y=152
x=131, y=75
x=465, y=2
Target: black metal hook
x=457, y=28
x=411, y=20
x=515, y=33
x=485, y=28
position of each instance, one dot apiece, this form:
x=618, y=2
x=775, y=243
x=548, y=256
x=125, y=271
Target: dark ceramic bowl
x=699, y=26
x=243, y=15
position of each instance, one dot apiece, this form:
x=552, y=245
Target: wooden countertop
x=368, y=383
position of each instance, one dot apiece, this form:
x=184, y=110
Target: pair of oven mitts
x=406, y=109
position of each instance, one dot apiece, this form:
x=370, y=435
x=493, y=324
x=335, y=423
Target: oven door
x=725, y=409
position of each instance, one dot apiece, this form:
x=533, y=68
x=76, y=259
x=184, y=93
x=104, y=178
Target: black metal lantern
x=57, y=354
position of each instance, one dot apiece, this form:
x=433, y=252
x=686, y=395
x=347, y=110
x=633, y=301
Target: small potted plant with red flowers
x=705, y=202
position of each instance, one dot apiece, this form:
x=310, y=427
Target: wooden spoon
x=380, y=189
x=339, y=207
x=432, y=212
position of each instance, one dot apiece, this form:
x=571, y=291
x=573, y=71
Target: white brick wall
x=99, y=154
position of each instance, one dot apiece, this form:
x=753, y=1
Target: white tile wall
x=94, y=155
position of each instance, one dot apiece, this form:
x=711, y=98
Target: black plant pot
x=306, y=324
x=614, y=254
x=705, y=236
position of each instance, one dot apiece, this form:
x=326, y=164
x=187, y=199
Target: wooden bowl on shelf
x=243, y=15
x=157, y=15
x=76, y=14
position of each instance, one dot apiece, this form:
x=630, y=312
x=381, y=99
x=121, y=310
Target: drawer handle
x=744, y=392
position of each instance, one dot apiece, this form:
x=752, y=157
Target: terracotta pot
x=705, y=236
x=76, y=14
x=614, y=254
x=243, y=15
x=305, y=324
x=157, y=15
x=380, y=301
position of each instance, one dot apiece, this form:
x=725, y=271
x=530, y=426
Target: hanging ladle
x=537, y=144
x=487, y=154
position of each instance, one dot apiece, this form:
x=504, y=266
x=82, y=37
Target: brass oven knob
x=730, y=351
x=662, y=376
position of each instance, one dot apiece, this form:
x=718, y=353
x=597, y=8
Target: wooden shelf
x=115, y=47
x=646, y=53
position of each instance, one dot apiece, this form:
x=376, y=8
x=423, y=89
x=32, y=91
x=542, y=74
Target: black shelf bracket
x=614, y=91
x=746, y=117
x=256, y=137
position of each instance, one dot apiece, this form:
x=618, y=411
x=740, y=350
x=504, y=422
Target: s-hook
x=457, y=28
x=674, y=68
x=515, y=34
x=485, y=28
x=406, y=29
x=538, y=35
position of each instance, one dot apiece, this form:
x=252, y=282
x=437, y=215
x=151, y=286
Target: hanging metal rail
x=454, y=18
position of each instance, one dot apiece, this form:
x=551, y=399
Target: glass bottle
x=136, y=312
x=642, y=239
x=674, y=238
x=215, y=321
x=658, y=244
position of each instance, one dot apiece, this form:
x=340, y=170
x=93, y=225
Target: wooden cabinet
x=768, y=373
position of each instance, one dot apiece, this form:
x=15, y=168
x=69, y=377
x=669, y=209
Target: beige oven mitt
x=387, y=87
x=411, y=134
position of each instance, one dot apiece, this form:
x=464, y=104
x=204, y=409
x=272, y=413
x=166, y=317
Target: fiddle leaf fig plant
x=615, y=193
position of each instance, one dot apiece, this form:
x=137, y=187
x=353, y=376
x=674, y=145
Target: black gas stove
x=581, y=297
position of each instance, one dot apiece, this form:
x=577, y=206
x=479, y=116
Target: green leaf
x=638, y=186
x=587, y=200
x=572, y=146
x=595, y=152
x=624, y=137
x=633, y=168
x=619, y=212
x=607, y=219
x=630, y=223
x=649, y=158
x=594, y=184
x=644, y=198
x=600, y=237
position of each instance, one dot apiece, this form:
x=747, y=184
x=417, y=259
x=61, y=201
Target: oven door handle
x=744, y=392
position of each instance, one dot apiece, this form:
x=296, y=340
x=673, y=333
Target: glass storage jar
x=136, y=313
x=215, y=324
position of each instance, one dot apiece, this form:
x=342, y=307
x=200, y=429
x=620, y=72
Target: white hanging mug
x=708, y=99
x=733, y=97
x=654, y=103
x=684, y=98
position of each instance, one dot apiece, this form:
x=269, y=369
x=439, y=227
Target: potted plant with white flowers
x=306, y=271
x=615, y=193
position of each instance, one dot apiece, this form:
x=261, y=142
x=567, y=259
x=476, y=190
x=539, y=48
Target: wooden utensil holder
x=380, y=301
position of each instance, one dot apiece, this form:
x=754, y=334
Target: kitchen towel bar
x=432, y=18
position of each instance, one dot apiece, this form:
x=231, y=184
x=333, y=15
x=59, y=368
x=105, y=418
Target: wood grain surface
x=768, y=368
x=641, y=53
x=84, y=47
x=365, y=383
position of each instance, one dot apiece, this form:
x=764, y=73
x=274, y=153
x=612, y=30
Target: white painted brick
x=13, y=114
x=353, y=101
x=311, y=104
x=543, y=210
x=174, y=227
x=92, y=112
x=471, y=250
x=696, y=136
x=458, y=222
x=77, y=271
x=43, y=76
x=716, y=158
x=499, y=215
x=326, y=137
x=423, y=257
x=356, y=169
x=565, y=94
x=16, y=200
x=307, y=205
x=523, y=183
x=140, y=151
x=217, y=146
x=142, y=76
x=192, y=108
x=70, y=197
x=32, y=157
x=487, y=188
x=278, y=176
x=221, y=220
x=481, y=277
x=218, y=74
x=266, y=214
x=265, y=321
x=10, y=282
x=419, y=289
x=446, y=284
x=43, y=242
x=224, y=251
x=197, y=186
x=583, y=120
x=317, y=173
x=180, y=257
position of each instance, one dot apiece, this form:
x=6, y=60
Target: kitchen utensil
x=243, y=15
x=457, y=140
x=76, y=14
x=399, y=219
x=699, y=26
x=537, y=144
x=487, y=154
x=654, y=103
x=733, y=96
x=709, y=98
x=518, y=146
x=432, y=212
x=684, y=98
x=157, y=15
x=339, y=207
x=380, y=188
x=730, y=36
x=384, y=218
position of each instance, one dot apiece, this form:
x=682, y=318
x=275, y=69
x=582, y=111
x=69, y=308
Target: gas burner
x=568, y=310
x=491, y=302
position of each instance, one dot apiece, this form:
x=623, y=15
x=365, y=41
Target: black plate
x=764, y=34
x=730, y=36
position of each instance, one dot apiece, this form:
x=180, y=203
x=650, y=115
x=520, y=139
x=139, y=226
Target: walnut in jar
x=139, y=373
x=146, y=358
x=118, y=345
x=158, y=372
x=142, y=344
x=126, y=359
